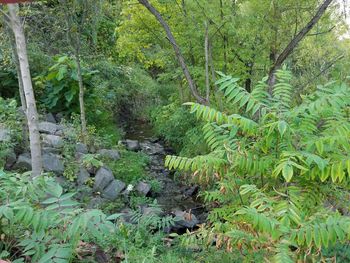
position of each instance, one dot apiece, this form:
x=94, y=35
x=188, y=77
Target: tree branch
x=177, y=50
x=295, y=41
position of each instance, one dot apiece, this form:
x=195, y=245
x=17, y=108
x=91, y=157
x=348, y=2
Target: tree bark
x=177, y=50
x=294, y=42
x=31, y=111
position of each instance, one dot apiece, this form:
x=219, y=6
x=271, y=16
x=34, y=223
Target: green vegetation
x=175, y=131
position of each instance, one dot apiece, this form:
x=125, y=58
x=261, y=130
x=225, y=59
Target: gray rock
x=49, y=127
x=126, y=215
x=81, y=148
x=132, y=145
x=149, y=211
x=96, y=202
x=53, y=163
x=59, y=117
x=110, y=154
x=185, y=220
x=103, y=178
x=191, y=191
x=23, y=162
x=5, y=133
x=52, y=141
x=143, y=188
x=152, y=148
x=50, y=118
x=113, y=190
x=83, y=176
x=50, y=150
x=10, y=159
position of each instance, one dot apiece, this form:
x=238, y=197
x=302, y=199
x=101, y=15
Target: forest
x=174, y=131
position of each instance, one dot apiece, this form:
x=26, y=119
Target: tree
x=31, y=111
x=294, y=42
x=74, y=33
x=179, y=56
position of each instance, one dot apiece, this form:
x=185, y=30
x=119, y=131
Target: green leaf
x=287, y=172
x=282, y=127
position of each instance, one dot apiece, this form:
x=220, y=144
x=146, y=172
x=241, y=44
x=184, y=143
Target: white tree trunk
x=32, y=114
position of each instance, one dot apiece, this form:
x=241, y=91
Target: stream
x=174, y=195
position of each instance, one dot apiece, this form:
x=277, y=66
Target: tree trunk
x=81, y=98
x=294, y=42
x=206, y=52
x=177, y=50
x=31, y=111
x=75, y=44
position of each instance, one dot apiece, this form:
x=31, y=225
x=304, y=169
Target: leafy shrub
x=275, y=163
x=43, y=223
x=130, y=168
x=59, y=85
x=179, y=128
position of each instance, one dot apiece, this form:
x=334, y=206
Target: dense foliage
x=266, y=159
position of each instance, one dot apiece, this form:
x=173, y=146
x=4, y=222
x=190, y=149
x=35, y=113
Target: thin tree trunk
x=75, y=45
x=294, y=42
x=81, y=98
x=177, y=50
x=31, y=111
x=206, y=51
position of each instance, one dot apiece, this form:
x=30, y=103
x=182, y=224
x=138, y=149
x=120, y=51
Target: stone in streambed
x=143, y=188
x=103, y=178
x=110, y=154
x=113, y=190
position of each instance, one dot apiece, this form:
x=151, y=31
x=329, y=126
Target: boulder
x=126, y=215
x=143, y=188
x=23, y=162
x=83, y=176
x=50, y=118
x=191, y=191
x=53, y=163
x=149, y=211
x=50, y=150
x=81, y=148
x=49, y=127
x=110, y=154
x=132, y=145
x=184, y=219
x=152, y=148
x=5, y=133
x=52, y=141
x=103, y=178
x=113, y=190
x=10, y=159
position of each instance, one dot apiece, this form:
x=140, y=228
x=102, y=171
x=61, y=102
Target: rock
x=110, y=154
x=23, y=162
x=50, y=118
x=81, y=148
x=49, y=127
x=10, y=159
x=5, y=134
x=59, y=117
x=132, y=145
x=152, y=148
x=53, y=141
x=126, y=215
x=96, y=202
x=113, y=190
x=50, y=150
x=149, y=210
x=83, y=176
x=184, y=219
x=191, y=191
x=103, y=178
x=53, y=163
x=143, y=188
